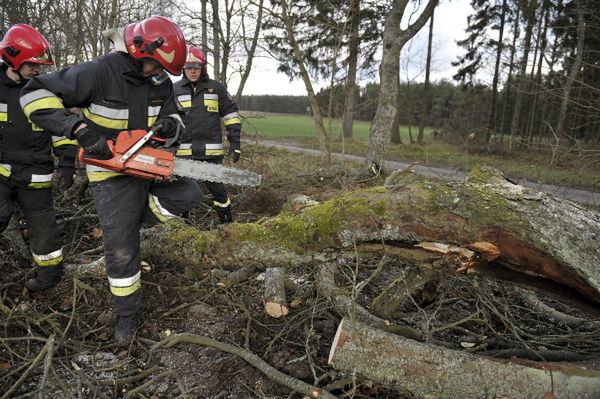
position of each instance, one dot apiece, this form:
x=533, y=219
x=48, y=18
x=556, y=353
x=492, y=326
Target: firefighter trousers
x=216, y=189
x=42, y=231
x=123, y=204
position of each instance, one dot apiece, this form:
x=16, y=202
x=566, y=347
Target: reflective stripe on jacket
x=111, y=92
x=25, y=149
x=206, y=105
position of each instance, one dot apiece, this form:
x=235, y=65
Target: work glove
x=93, y=143
x=166, y=127
x=234, y=151
x=67, y=174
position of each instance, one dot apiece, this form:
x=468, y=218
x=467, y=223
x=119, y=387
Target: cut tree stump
x=428, y=371
x=274, y=294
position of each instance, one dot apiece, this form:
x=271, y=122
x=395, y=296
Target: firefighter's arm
x=46, y=99
x=232, y=121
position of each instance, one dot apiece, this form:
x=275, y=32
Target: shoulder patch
x=211, y=90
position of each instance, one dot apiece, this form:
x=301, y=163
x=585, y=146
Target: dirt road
x=573, y=194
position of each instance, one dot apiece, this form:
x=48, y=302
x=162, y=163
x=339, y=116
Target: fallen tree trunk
x=534, y=233
x=429, y=371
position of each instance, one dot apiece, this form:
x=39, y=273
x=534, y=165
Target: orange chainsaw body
x=146, y=163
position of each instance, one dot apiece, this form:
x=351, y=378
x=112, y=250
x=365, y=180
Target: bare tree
x=426, y=100
x=394, y=38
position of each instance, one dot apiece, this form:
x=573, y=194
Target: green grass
x=566, y=171
x=274, y=126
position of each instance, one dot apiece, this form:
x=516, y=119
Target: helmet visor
x=44, y=58
x=196, y=65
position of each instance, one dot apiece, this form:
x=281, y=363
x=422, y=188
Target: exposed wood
x=274, y=294
x=429, y=371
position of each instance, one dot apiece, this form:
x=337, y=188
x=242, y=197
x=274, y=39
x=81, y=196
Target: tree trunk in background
x=395, y=128
x=509, y=81
x=394, y=39
x=216, y=41
x=348, y=118
x=251, y=52
x=493, y=106
x=204, y=27
x=531, y=132
x=572, y=73
x=312, y=98
x=529, y=14
x=426, y=100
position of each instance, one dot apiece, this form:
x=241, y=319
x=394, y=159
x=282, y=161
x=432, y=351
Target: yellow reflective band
x=221, y=204
x=40, y=185
x=124, y=291
x=4, y=172
x=211, y=105
x=3, y=117
x=185, y=104
x=64, y=141
x=43, y=103
x=151, y=120
x=184, y=151
x=214, y=152
x=100, y=176
x=36, y=128
x=105, y=122
x=231, y=121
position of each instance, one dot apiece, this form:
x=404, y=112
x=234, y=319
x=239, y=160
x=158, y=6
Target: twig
x=35, y=362
x=47, y=364
x=142, y=387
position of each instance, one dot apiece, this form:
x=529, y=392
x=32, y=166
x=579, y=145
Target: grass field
x=568, y=170
x=273, y=126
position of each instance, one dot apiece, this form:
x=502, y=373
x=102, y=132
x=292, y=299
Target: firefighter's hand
x=234, y=151
x=67, y=174
x=93, y=143
x=166, y=127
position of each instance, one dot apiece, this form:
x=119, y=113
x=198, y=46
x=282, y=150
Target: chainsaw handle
x=139, y=144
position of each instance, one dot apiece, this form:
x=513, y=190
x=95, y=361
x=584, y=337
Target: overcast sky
x=449, y=25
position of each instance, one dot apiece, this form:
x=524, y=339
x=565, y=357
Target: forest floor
x=56, y=344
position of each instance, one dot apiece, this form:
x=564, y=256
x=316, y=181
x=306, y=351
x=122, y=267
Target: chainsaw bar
x=214, y=172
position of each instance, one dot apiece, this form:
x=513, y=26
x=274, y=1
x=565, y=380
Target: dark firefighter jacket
x=112, y=94
x=25, y=149
x=205, y=105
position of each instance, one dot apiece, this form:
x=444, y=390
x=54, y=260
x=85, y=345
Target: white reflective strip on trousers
x=52, y=255
x=161, y=209
x=41, y=178
x=125, y=281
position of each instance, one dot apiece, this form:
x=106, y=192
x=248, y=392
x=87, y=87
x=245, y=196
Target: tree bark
x=394, y=39
x=216, y=40
x=274, y=294
x=535, y=233
x=493, y=106
x=428, y=371
x=348, y=118
x=562, y=113
x=312, y=98
x=427, y=86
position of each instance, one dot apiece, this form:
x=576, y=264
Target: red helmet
x=22, y=43
x=195, y=58
x=157, y=38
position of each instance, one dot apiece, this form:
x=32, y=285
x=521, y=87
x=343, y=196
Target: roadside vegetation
x=579, y=169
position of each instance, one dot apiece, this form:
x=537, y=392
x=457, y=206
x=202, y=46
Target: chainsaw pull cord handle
x=136, y=146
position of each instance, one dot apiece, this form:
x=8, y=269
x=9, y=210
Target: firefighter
x=26, y=162
x=207, y=103
x=123, y=90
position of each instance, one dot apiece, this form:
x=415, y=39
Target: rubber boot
x=224, y=214
x=47, y=277
x=125, y=329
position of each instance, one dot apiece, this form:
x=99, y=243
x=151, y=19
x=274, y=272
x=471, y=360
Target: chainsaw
x=141, y=154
